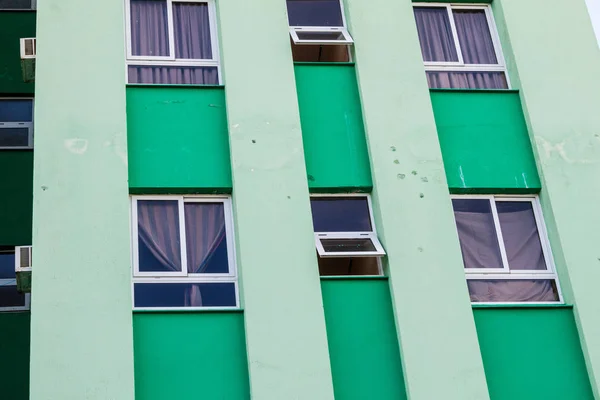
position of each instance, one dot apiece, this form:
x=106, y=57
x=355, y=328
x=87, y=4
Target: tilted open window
x=10, y=298
x=345, y=236
x=183, y=253
x=16, y=123
x=505, y=249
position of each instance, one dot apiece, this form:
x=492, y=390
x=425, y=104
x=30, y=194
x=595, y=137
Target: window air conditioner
x=23, y=268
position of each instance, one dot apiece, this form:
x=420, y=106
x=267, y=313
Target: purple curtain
x=478, y=239
x=474, y=37
x=513, y=290
x=192, y=31
x=149, y=28
x=158, y=229
x=435, y=34
x=466, y=80
x=205, y=231
x=173, y=75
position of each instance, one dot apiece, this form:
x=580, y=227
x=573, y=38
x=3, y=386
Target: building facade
x=301, y=199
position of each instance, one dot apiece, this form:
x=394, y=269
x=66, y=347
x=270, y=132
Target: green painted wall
x=177, y=139
x=16, y=200
x=190, y=355
x=14, y=351
x=333, y=130
x=484, y=141
x=14, y=25
x=438, y=341
x=561, y=107
x=532, y=354
x=363, y=344
x=286, y=336
x=81, y=323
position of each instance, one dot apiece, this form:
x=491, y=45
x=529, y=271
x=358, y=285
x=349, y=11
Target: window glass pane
x=314, y=13
x=158, y=236
x=512, y=290
x=338, y=266
x=192, y=31
x=474, y=37
x=14, y=137
x=173, y=75
x=7, y=264
x=16, y=110
x=477, y=233
x=221, y=294
x=521, y=236
x=320, y=35
x=15, y=4
x=206, y=238
x=10, y=297
x=347, y=245
x=341, y=214
x=467, y=80
x=149, y=28
x=435, y=34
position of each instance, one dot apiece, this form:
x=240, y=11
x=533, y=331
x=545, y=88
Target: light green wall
x=14, y=350
x=532, y=354
x=190, y=355
x=81, y=325
x=285, y=326
x=14, y=25
x=484, y=141
x=552, y=68
x=177, y=139
x=16, y=199
x=333, y=130
x=438, y=341
x=363, y=343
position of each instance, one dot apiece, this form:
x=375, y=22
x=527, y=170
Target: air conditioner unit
x=28, y=51
x=23, y=268
x=27, y=48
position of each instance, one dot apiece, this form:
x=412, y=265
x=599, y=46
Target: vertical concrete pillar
x=285, y=325
x=81, y=332
x=555, y=62
x=438, y=340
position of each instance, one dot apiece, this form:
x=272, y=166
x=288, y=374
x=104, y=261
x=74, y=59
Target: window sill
x=186, y=86
x=355, y=278
x=181, y=310
x=520, y=305
x=346, y=64
x=438, y=90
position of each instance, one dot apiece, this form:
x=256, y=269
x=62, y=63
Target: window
x=318, y=31
x=17, y=4
x=505, y=250
x=172, y=42
x=345, y=235
x=10, y=298
x=460, y=47
x=183, y=253
x=16, y=123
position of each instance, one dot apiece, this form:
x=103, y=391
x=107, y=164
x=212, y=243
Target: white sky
x=594, y=9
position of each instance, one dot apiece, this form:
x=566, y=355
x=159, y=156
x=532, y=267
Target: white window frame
x=323, y=29
x=372, y=235
x=23, y=124
x=13, y=282
x=460, y=66
x=184, y=276
x=170, y=60
x=505, y=273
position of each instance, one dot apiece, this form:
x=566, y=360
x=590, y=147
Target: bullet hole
x=311, y=178
x=396, y=161
x=414, y=172
x=424, y=179
x=44, y=188
x=421, y=195
x=289, y=197
x=393, y=148
x=253, y=141
x=420, y=249
x=401, y=176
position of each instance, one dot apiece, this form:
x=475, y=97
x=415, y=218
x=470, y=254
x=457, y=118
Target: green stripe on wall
x=14, y=25
x=14, y=352
x=16, y=201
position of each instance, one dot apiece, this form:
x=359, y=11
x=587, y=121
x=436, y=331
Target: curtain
x=193, y=296
x=192, y=31
x=474, y=37
x=149, y=28
x=478, y=239
x=435, y=34
x=205, y=231
x=467, y=80
x=158, y=229
x=512, y=290
x=173, y=75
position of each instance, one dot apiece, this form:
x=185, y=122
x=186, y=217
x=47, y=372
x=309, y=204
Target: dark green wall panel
x=177, y=139
x=14, y=356
x=14, y=25
x=532, y=354
x=333, y=131
x=16, y=201
x=190, y=356
x=363, y=345
x=484, y=141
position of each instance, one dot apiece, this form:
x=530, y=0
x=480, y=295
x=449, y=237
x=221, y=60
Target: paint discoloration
x=76, y=145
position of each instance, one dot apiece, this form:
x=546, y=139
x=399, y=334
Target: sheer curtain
x=435, y=34
x=467, y=80
x=173, y=75
x=478, y=240
x=512, y=290
x=474, y=37
x=149, y=28
x=192, y=31
x=158, y=229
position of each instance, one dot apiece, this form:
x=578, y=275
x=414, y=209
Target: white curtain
x=478, y=240
x=435, y=34
x=205, y=231
x=158, y=229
